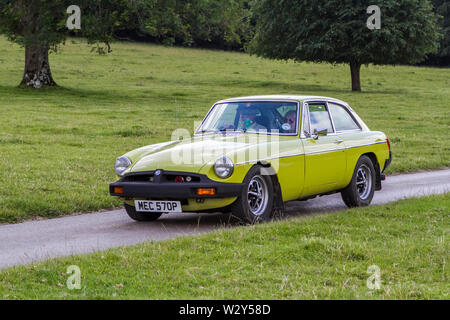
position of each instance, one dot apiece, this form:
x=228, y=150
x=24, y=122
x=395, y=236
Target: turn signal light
x=206, y=192
x=118, y=190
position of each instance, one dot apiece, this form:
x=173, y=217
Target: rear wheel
x=361, y=189
x=139, y=216
x=255, y=203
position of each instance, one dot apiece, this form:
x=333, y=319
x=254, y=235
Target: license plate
x=158, y=206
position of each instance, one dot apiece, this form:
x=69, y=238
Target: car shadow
x=210, y=221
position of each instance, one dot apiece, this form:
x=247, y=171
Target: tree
x=442, y=8
x=40, y=27
x=336, y=31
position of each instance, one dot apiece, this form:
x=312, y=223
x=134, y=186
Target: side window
x=342, y=119
x=305, y=121
x=319, y=117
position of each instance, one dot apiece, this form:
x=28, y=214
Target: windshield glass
x=257, y=117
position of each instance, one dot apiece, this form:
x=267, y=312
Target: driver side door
x=325, y=157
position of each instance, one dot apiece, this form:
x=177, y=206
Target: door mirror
x=319, y=133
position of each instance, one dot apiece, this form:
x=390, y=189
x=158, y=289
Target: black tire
x=139, y=216
x=246, y=207
x=360, y=191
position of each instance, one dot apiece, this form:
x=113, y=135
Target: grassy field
x=58, y=145
x=320, y=257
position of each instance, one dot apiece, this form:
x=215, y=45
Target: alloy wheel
x=257, y=195
x=364, y=181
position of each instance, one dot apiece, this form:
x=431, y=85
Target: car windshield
x=256, y=117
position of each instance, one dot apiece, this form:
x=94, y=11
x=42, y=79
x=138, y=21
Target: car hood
x=193, y=154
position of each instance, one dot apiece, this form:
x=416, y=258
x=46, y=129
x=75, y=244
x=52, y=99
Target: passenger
x=290, y=118
x=248, y=120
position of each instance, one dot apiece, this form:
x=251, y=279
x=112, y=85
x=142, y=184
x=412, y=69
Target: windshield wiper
x=233, y=130
x=207, y=131
x=221, y=130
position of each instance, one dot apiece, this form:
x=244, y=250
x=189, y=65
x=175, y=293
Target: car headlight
x=224, y=167
x=122, y=164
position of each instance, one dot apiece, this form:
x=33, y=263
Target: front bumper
x=160, y=185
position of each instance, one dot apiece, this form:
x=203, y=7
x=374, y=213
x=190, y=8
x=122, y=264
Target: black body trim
x=388, y=161
x=161, y=187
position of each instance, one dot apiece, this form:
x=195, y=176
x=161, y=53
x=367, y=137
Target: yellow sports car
x=250, y=155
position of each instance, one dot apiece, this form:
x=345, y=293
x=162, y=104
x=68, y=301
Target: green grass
x=58, y=145
x=319, y=257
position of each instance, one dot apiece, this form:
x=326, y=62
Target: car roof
x=284, y=97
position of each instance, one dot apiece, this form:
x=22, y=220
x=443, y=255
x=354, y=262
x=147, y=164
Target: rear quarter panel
x=360, y=143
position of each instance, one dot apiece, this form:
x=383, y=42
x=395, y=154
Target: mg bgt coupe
x=250, y=155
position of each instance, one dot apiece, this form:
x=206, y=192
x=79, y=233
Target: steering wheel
x=278, y=120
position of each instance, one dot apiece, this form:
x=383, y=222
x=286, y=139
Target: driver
x=248, y=120
x=290, y=118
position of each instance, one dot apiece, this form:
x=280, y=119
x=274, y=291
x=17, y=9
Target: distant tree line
x=222, y=24
x=230, y=24
x=442, y=57
x=332, y=31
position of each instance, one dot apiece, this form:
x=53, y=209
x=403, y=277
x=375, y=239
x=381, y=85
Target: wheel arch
x=267, y=169
x=373, y=157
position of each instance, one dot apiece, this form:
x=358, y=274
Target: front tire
x=139, y=216
x=360, y=191
x=255, y=204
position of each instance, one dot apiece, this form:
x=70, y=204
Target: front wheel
x=255, y=203
x=139, y=216
x=361, y=189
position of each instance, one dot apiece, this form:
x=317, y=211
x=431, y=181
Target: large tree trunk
x=355, y=69
x=37, y=67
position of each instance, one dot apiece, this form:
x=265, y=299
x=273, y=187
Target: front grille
x=165, y=177
x=139, y=178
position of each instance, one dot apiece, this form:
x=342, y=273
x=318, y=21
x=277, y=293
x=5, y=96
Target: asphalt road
x=40, y=240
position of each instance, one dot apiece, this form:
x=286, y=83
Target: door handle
x=339, y=141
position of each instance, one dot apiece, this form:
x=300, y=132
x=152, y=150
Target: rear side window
x=342, y=119
x=319, y=118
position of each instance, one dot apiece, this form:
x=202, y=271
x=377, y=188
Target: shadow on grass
x=70, y=93
x=300, y=88
x=114, y=95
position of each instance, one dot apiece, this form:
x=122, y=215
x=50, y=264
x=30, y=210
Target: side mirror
x=319, y=133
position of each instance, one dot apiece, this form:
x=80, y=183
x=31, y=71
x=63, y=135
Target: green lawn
x=320, y=257
x=58, y=145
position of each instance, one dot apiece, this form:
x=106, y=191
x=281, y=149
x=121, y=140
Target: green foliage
x=442, y=8
x=335, y=31
x=31, y=22
x=37, y=22
x=102, y=18
x=189, y=22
